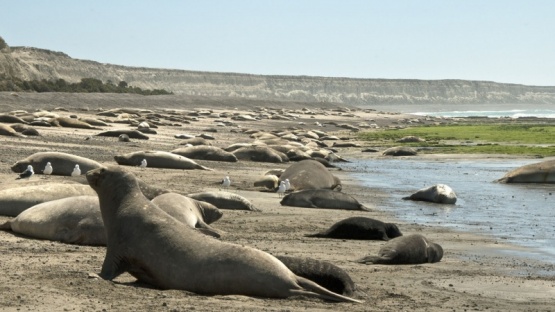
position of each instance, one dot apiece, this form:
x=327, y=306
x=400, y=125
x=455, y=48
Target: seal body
x=260, y=153
x=205, y=152
x=133, y=134
x=542, y=172
x=152, y=246
x=310, y=174
x=360, y=228
x=400, y=151
x=62, y=163
x=409, y=249
x=439, y=193
x=322, y=198
x=224, y=200
x=158, y=159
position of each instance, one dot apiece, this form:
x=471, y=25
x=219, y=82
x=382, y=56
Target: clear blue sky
x=494, y=40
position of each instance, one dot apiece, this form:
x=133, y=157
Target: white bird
x=287, y=184
x=281, y=189
x=48, y=169
x=27, y=173
x=76, y=171
x=143, y=163
x=226, y=182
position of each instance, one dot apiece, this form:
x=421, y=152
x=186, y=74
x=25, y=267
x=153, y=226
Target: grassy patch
x=473, y=139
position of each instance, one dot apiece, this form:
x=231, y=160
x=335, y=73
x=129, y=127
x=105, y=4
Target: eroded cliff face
x=31, y=63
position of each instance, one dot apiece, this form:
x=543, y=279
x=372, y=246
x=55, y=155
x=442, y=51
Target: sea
x=520, y=214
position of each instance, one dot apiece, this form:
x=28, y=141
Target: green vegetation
x=86, y=85
x=520, y=139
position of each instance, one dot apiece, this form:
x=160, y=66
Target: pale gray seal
x=158, y=159
x=9, y=131
x=205, y=152
x=63, y=163
x=322, y=198
x=324, y=273
x=409, y=249
x=360, y=228
x=225, y=200
x=542, y=172
x=153, y=247
x=400, y=151
x=133, y=134
x=439, y=193
x=310, y=174
x=260, y=153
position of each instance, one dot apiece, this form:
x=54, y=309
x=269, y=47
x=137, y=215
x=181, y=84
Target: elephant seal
x=25, y=129
x=400, y=151
x=205, y=152
x=158, y=159
x=11, y=119
x=63, y=163
x=133, y=134
x=360, y=228
x=439, y=193
x=310, y=174
x=190, y=210
x=323, y=273
x=70, y=123
x=542, y=172
x=225, y=200
x=260, y=153
x=15, y=200
x=322, y=198
x=409, y=249
x=154, y=248
x=268, y=181
x=9, y=131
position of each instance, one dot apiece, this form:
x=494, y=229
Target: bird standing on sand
x=143, y=163
x=226, y=182
x=281, y=189
x=48, y=169
x=27, y=173
x=287, y=184
x=76, y=171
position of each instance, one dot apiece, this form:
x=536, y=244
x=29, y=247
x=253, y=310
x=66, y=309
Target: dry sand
x=475, y=273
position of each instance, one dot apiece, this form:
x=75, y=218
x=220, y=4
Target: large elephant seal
x=224, y=200
x=153, y=247
x=439, y=193
x=15, y=200
x=360, y=228
x=205, y=152
x=310, y=174
x=542, y=172
x=192, y=212
x=70, y=123
x=158, y=159
x=260, y=153
x=409, y=249
x=9, y=131
x=324, y=273
x=62, y=163
x=400, y=151
x=322, y=198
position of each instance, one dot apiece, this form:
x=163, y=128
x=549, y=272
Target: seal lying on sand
x=542, y=172
x=410, y=249
x=62, y=163
x=360, y=228
x=133, y=134
x=322, y=198
x=310, y=174
x=224, y=200
x=439, y=193
x=153, y=247
x=323, y=273
x=158, y=159
x=205, y=152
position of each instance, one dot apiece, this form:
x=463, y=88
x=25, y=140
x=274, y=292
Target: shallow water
x=522, y=214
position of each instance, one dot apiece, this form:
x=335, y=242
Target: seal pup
x=27, y=173
x=410, y=249
x=153, y=247
x=360, y=228
x=158, y=159
x=76, y=171
x=322, y=198
x=48, y=169
x=439, y=193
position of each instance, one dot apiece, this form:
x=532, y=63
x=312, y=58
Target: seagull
x=76, y=171
x=27, y=173
x=48, y=169
x=143, y=163
x=226, y=182
x=281, y=188
x=287, y=184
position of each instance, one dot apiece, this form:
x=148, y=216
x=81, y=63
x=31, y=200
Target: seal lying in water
x=410, y=249
x=153, y=247
x=542, y=172
x=360, y=228
x=439, y=193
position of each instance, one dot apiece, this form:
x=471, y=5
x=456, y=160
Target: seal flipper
x=112, y=267
x=6, y=226
x=310, y=288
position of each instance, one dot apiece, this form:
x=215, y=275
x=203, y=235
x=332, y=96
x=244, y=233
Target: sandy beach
x=477, y=273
